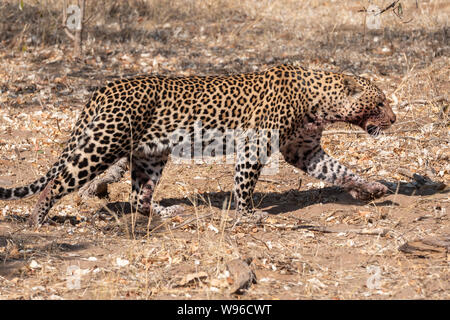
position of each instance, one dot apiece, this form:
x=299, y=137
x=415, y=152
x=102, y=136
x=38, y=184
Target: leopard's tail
x=39, y=185
x=32, y=188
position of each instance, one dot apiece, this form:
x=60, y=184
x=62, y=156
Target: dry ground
x=317, y=243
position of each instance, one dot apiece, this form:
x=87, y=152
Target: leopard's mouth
x=373, y=130
x=376, y=124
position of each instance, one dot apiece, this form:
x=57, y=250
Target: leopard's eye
x=380, y=105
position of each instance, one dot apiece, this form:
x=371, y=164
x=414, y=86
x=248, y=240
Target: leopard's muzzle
x=375, y=124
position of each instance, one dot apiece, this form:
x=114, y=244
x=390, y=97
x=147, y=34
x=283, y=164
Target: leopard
x=134, y=120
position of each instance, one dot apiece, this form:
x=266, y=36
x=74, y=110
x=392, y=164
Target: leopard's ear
x=354, y=88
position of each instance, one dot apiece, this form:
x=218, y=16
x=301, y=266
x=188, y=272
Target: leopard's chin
x=373, y=130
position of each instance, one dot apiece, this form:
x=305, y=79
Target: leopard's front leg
x=251, y=153
x=312, y=159
x=246, y=175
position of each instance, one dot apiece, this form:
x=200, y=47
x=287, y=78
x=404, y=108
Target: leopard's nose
x=393, y=118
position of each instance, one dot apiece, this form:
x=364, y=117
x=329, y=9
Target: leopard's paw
x=259, y=216
x=367, y=191
x=168, y=212
x=253, y=217
x=95, y=188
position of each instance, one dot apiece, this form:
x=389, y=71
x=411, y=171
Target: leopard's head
x=366, y=105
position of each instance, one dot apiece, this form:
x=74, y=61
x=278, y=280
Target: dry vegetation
x=317, y=243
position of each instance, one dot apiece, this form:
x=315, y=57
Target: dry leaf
x=241, y=274
x=192, y=278
x=437, y=248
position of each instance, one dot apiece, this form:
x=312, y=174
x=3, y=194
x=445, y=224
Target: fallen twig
x=363, y=231
x=269, y=180
x=182, y=224
x=423, y=101
x=330, y=132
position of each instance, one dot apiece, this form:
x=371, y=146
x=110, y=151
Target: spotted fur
x=136, y=118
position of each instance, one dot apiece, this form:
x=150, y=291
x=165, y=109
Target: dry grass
x=42, y=88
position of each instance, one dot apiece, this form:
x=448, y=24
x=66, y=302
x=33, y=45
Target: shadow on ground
x=291, y=200
x=17, y=249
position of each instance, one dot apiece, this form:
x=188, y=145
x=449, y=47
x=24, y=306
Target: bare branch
x=392, y=5
x=424, y=101
x=69, y=34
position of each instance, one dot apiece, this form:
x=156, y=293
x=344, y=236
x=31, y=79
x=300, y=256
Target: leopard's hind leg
x=88, y=159
x=145, y=174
